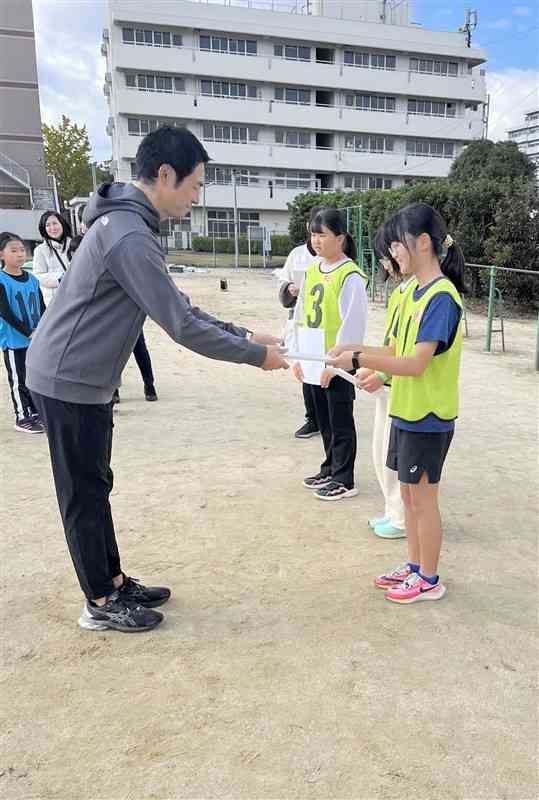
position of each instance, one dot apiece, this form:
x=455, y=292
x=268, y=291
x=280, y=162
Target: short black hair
x=177, y=147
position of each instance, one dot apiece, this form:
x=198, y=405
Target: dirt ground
x=280, y=671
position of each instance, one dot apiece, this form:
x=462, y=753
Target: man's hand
x=297, y=371
x=343, y=360
x=326, y=377
x=370, y=383
x=292, y=290
x=274, y=358
x=265, y=338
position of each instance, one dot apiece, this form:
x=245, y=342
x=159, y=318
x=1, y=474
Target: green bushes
x=489, y=202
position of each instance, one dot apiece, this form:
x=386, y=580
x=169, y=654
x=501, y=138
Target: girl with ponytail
x=333, y=298
x=423, y=358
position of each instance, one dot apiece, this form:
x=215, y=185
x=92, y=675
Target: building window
x=432, y=108
x=141, y=126
x=133, y=168
x=292, y=52
x=368, y=143
x=293, y=138
x=222, y=44
x=232, y=134
x=145, y=82
x=430, y=148
x=293, y=180
x=370, y=102
x=228, y=89
x=434, y=67
x=221, y=222
x=355, y=58
x=223, y=175
x=288, y=94
x=151, y=38
x=363, y=183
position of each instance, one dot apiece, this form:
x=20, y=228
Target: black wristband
x=355, y=359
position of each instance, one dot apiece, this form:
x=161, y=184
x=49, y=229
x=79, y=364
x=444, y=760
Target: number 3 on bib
x=317, y=293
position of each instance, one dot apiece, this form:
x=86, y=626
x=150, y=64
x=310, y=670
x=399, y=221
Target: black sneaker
x=148, y=596
x=150, y=394
x=335, y=491
x=29, y=425
x=317, y=481
x=307, y=431
x=122, y=614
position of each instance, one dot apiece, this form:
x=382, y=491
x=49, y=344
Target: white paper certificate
x=312, y=342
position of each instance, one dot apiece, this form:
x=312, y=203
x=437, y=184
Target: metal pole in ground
x=236, y=241
x=491, y=293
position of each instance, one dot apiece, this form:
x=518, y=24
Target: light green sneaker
x=387, y=531
x=372, y=523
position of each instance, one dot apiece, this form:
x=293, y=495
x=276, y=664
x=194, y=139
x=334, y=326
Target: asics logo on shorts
x=413, y=469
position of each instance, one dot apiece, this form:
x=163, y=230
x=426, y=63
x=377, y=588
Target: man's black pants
x=80, y=444
x=334, y=410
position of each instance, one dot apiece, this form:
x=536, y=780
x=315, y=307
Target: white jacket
x=47, y=267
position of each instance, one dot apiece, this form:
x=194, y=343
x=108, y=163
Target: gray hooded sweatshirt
x=117, y=278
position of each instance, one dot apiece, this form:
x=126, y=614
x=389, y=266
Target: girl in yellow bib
x=333, y=298
x=424, y=360
x=391, y=524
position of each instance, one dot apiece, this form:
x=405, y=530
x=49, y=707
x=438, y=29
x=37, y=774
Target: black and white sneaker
x=29, y=425
x=119, y=614
x=317, y=481
x=335, y=491
x=148, y=596
x=307, y=431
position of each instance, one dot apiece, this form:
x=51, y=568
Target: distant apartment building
x=527, y=138
x=350, y=96
x=25, y=189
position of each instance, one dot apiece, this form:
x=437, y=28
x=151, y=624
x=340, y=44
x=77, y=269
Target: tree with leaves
x=67, y=155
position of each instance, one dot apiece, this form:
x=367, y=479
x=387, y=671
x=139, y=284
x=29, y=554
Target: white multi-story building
x=527, y=138
x=292, y=102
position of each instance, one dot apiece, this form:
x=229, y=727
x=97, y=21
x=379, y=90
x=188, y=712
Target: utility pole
x=236, y=232
x=94, y=175
x=486, y=112
x=204, y=208
x=470, y=24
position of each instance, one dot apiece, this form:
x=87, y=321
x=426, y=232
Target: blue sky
x=71, y=69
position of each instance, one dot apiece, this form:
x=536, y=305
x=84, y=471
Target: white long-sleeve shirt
x=353, y=308
x=47, y=267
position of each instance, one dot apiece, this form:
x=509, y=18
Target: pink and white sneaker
x=414, y=589
x=394, y=578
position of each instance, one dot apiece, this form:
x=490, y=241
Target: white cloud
x=71, y=69
x=512, y=93
x=522, y=11
x=500, y=24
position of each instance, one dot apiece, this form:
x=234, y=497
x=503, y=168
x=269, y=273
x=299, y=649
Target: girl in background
x=50, y=257
x=391, y=524
x=21, y=308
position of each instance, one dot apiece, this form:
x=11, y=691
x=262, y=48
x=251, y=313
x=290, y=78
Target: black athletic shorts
x=411, y=454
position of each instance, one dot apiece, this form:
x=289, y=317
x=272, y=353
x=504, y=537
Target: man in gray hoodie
x=75, y=361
